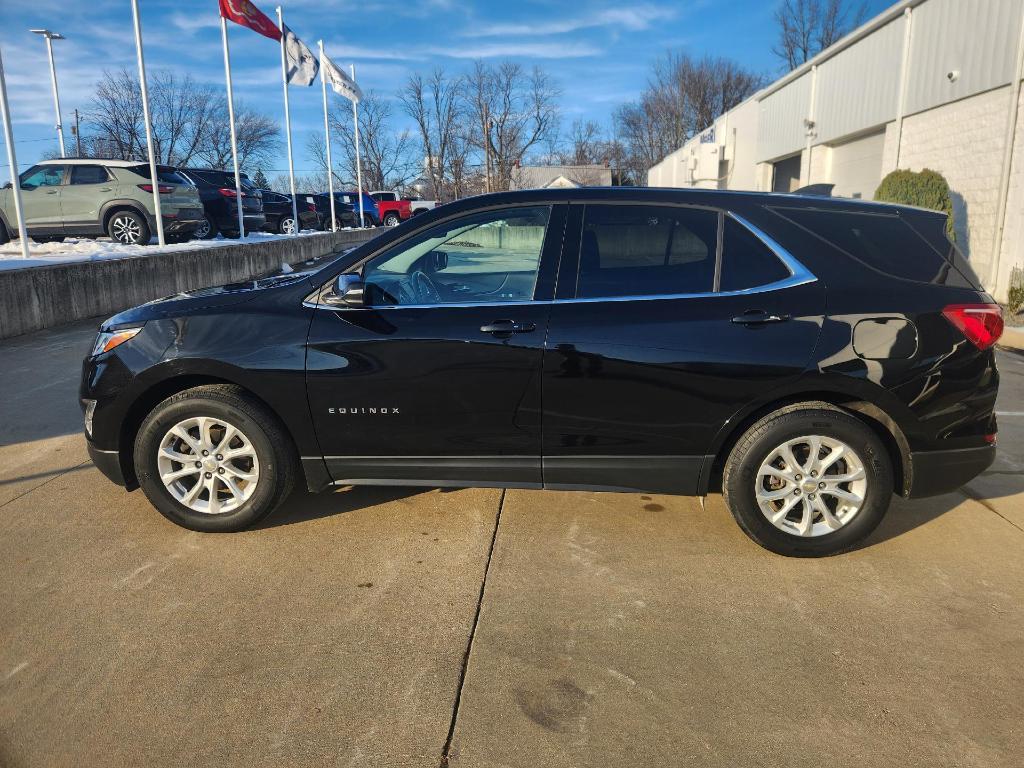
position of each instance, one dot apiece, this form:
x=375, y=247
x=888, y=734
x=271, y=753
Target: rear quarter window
x=884, y=242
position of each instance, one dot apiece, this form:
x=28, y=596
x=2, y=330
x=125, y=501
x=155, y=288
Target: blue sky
x=599, y=51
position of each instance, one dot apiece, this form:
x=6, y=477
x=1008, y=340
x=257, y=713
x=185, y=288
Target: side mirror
x=436, y=261
x=346, y=291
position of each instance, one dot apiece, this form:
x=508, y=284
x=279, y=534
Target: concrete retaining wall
x=41, y=297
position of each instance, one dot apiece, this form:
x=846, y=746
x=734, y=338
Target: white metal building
x=926, y=84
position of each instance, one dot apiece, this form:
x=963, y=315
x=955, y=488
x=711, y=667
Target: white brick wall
x=1013, y=229
x=964, y=142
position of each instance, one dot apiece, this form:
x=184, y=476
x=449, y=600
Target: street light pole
x=49, y=37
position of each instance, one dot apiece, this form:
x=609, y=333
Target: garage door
x=857, y=166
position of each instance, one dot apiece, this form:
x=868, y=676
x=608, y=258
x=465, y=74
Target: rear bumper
x=936, y=472
x=107, y=462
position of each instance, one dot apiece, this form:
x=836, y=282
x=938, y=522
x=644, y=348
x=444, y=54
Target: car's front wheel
x=212, y=459
x=207, y=228
x=391, y=220
x=286, y=226
x=128, y=228
x=807, y=481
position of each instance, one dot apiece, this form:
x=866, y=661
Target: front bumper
x=936, y=472
x=109, y=463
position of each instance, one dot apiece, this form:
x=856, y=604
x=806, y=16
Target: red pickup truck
x=395, y=209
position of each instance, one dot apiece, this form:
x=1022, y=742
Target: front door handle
x=758, y=317
x=54, y=192
x=504, y=328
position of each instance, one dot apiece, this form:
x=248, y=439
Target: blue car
x=371, y=213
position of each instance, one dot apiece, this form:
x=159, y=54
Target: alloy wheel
x=208, y=465
x=126, y=230
x=811, y=486
x=203, y=229
x=288, y=225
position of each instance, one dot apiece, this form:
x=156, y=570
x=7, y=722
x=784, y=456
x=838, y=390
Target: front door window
x=486, y=258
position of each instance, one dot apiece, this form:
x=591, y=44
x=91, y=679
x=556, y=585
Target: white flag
x=302, y=64
x=342, y=84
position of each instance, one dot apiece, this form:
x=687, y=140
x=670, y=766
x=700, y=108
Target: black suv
x=280, y=217
x=217, y=191
x=344, y=210
x=809, y=357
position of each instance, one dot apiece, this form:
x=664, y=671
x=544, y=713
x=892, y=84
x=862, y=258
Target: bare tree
x=436, y=105
x=516, y=111
x=807, y=27
x=683, y=97
x=385, y=152
x=190, y=122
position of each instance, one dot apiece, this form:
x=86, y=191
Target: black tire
x=368, y=221
x=273, y=447
x=740, y=478
x=4, y=237
x=392, y=220
x=128, y=228
x=207, y=230
x=281, y=229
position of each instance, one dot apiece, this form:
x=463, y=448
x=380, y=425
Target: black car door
x=436, y=380
x=672, y=320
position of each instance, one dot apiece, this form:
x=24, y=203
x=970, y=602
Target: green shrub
x=925, y=189
x=1015, y=296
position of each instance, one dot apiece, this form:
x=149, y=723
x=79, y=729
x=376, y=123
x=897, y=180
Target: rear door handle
x=507, y=327
x=758, y=317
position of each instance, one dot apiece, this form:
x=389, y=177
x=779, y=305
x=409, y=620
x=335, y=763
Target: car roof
x=95, y=161
x=721, y=198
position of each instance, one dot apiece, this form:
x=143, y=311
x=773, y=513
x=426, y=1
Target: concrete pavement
x=601, y=629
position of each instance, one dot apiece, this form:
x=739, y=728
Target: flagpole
x=153, y=178
x=12, y=161
x=288, y=121
x=327, y=134
x=231, y=119
x=359, y=168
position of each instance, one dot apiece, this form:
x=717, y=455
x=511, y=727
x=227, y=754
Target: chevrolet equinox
x=808, y=357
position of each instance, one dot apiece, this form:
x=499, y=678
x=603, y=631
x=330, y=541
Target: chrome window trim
x=798, y=275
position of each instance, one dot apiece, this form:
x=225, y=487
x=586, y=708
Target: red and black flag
x=248, y=15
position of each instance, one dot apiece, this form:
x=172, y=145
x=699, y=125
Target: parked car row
x=89, y=197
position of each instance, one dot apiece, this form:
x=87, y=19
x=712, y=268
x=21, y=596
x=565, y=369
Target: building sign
x=708, y=137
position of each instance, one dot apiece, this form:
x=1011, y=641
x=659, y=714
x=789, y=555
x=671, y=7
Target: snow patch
x=81, y=249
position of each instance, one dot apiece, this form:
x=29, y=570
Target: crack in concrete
x=970, y=493
x=446, y=752
x=45, y=482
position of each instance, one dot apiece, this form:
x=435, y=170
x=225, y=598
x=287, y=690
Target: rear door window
x=642, y=250
x=746, y=261
x=884, y=242
x=89, y=174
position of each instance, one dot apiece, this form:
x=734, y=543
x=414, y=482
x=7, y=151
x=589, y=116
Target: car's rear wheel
x=207, y=229
x=212, y=459
x=391, y=220
x=367, y=221
x=128, y=228
x=807, y=481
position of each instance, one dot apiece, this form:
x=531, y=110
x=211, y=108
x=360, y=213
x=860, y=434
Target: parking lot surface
x=416, y=627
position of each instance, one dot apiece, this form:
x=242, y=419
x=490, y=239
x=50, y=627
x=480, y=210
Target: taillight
x=228, y=192
x=982, y=324
x=163, y=188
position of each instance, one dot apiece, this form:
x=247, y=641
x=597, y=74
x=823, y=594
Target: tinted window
x=881, y=241
x=932, y=228
x=43, y=176
x=164, y=173
x=484, y=258
x=88, y=174
x=634, y=250
x=746, y=261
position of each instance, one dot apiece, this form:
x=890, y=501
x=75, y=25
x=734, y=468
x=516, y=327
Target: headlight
x=108, y=340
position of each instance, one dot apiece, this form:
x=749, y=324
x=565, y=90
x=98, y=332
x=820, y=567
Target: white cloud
x=633, y=19
x=514, y=48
